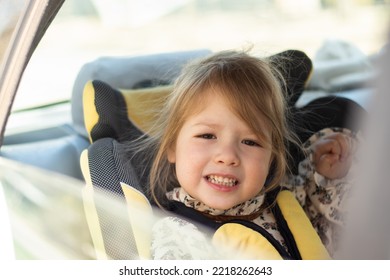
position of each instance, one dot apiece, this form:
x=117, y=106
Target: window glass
x=10, y=11
x=87, y=29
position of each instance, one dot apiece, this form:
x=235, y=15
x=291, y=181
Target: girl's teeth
x=228, y=182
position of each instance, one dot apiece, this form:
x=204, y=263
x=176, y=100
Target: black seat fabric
x=109, y=165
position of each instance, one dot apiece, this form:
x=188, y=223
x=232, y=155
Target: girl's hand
x=332, y=155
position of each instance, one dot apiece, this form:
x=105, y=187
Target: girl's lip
x=220, y=187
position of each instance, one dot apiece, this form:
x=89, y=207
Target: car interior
x=55, y=135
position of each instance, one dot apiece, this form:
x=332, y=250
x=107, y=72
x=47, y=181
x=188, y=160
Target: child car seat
x=110, y=111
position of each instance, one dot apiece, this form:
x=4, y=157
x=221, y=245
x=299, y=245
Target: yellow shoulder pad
x=244, y=243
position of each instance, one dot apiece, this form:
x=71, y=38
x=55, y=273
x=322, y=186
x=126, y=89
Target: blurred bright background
x=88, y=29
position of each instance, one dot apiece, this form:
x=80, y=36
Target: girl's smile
x=227, y=181
x=222, y=183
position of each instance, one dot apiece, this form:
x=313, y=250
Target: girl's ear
x=171, y=154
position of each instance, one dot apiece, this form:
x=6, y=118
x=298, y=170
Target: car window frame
x=32, y=24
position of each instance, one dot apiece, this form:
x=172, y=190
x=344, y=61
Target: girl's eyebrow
x=208, y=124
x=217, y=125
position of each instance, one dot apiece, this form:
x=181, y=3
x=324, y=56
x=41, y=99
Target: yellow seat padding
x=91, y=116
x=90, y=210
x=141, y=219
x=306, y=238
x=142, y=106
x=244, y=243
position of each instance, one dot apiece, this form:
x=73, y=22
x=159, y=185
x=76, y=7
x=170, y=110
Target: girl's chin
x=220, y=200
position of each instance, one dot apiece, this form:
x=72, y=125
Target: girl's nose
x=227, y=155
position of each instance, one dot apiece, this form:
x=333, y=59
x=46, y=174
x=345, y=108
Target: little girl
x=221, y=150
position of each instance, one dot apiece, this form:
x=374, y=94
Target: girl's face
x=219, y=160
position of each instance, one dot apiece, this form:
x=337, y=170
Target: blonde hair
x=253, y=90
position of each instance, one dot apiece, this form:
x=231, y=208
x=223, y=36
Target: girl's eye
x=206, y=136
x=250, y=143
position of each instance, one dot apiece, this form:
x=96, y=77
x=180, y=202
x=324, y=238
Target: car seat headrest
x=109, y=112
x=128, y=73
